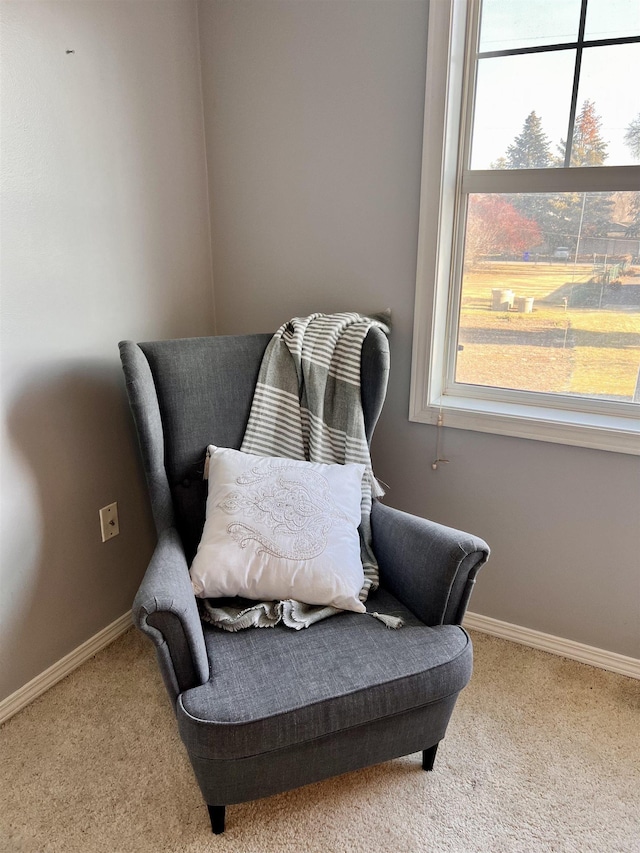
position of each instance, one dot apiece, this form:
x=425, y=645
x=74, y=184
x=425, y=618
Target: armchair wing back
x=186, y=394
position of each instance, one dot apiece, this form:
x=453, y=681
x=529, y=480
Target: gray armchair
x=262, y=711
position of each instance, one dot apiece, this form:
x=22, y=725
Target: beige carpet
x=542, y=754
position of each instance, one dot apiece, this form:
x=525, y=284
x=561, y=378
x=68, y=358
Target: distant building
x=612, y=246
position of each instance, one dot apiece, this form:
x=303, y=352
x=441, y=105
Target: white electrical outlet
x=109, y=524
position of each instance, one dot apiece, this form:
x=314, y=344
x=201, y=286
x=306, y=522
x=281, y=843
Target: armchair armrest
x=430, y=568
x=165, y=609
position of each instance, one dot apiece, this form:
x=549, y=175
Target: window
x=531, y=146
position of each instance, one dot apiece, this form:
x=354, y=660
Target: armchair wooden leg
x=216, y=815
x=428, y=757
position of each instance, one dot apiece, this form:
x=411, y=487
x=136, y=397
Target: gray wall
x=105, y=236
x=313, y=114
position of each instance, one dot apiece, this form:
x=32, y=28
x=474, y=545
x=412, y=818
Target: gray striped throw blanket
x=307, y=406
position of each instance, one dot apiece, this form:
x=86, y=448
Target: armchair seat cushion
x=273, y=688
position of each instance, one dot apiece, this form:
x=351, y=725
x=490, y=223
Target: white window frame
x=435, y=397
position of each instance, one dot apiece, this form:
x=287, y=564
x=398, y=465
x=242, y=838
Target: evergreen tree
x=588, y=148
x=632, y=137
x=530, y=150
x=585, y=214
x=594, y=210
x=633, y=223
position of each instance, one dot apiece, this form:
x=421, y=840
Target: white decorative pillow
x=281, y=528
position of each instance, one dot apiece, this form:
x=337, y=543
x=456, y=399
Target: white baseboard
x=37, y=686
x=556, y=645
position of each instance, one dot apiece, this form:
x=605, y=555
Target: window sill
x=615, y=433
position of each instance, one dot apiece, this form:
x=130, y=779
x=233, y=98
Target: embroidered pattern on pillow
x=295, y=506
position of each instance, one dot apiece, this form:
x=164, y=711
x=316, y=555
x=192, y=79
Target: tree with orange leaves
x=495, y=227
